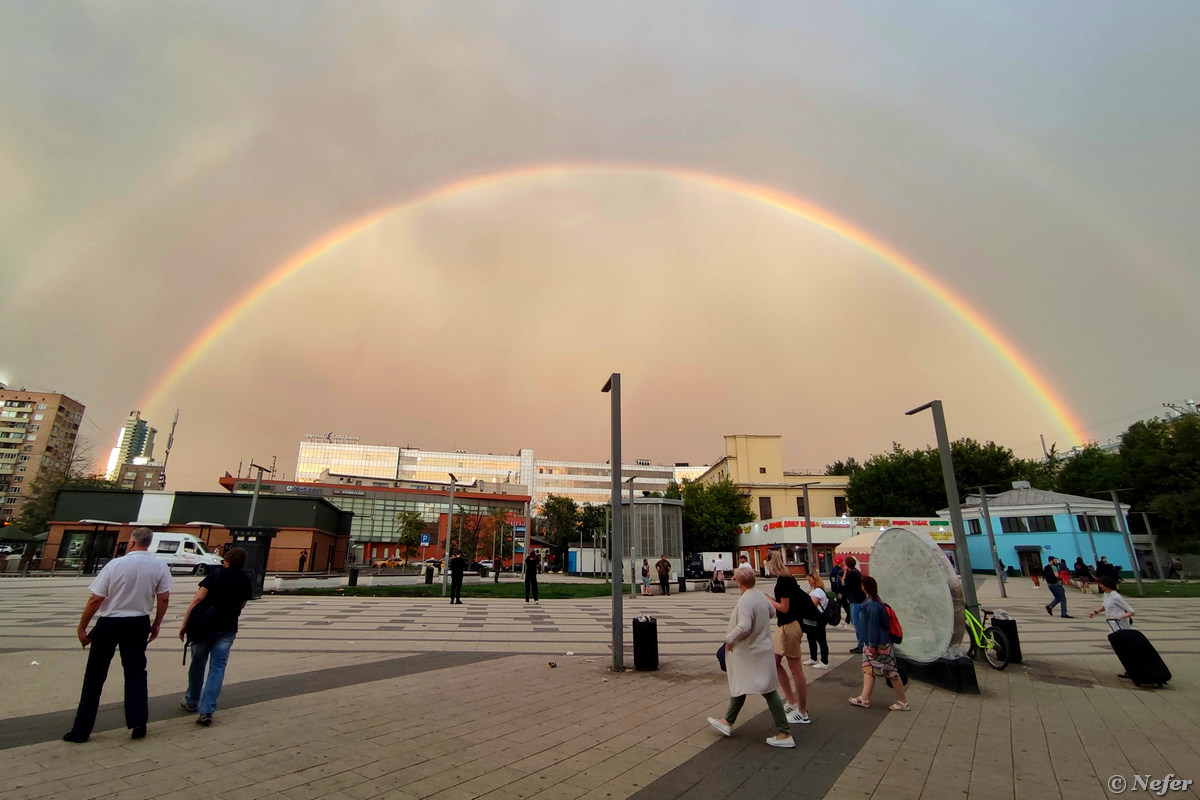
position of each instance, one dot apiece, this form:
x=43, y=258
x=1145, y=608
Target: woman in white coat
x=750, y=660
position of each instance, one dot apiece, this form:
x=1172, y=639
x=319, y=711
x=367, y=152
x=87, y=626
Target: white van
x=183, y=552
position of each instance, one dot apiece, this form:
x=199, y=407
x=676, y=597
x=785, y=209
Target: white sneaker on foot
x=819, y=665
x=721, y=727
x=788, y=742
x=798, y=718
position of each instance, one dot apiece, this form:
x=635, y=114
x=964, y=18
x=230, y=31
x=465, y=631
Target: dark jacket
x=1050, y=574
x=853, y=586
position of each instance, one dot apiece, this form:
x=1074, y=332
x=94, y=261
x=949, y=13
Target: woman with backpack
x=816, y=631
x=878, y=659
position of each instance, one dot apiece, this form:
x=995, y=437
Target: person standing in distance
x=458, y=565
x=531, y=572
x=303, y=559
x=852, y=581
x=226, y=590
x=122, y=596
x=663, y=567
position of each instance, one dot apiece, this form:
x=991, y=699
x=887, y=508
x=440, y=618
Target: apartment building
x=37, y=432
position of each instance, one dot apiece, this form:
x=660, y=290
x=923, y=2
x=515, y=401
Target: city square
x=350, y=697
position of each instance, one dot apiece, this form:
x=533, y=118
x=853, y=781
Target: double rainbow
x=958, y=307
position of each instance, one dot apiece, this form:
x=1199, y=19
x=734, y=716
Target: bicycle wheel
x=996, y=647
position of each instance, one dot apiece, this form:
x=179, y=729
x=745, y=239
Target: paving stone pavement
x=414, y=698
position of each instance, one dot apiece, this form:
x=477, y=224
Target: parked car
x=486, y=564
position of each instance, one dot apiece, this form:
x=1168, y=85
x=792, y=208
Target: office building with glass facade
x=583, y=482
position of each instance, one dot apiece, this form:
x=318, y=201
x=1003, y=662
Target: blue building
x=1030, y=525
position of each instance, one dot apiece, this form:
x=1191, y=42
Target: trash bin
x=429, y=574
x=1009, y=627
x=483, y=572
x=645, y=643
x=682, y=584
x=353, y=579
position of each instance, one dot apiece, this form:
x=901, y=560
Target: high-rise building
x=583, y=482
x=136, y=440
x=37, y=432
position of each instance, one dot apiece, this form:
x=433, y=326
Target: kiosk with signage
x=256, y=541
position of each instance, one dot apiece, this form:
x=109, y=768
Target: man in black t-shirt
x=855, y=596
x=216, y=607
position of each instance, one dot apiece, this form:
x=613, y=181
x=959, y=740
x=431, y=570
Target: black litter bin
x=429, y=574
x=645, y=643
x=682, y=584
x=1009, y=627
x=353, y=579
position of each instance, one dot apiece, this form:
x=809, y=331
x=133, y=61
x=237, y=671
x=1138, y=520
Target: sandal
x=858, y=701
x=898, y=706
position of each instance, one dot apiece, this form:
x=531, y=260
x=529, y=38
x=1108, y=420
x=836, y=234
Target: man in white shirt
x=123, y=594
x=719, y=567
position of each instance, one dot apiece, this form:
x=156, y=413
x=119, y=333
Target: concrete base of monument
x=955, y=674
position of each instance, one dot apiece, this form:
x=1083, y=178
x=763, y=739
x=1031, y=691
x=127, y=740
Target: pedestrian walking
x=211, y=624
x=458, y=565
x=878, y=660
x=532, y=563
x=663, y=567
x=1054, y=584
x=791, y=605
x=1116, y=608
x=122, y=596
x=750, y=660
x=645, y=576
x=817, y=642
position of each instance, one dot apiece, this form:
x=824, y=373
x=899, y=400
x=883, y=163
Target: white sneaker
x=819, y=665
x=721, y=727
x=789, y=707
x=808, y=662
x=798, y=718
x=788, y=742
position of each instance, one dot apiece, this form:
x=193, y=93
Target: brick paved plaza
x=414, y=698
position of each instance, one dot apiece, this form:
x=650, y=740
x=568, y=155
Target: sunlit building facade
x=136, y=440
x=37, y=432
x=583, y=482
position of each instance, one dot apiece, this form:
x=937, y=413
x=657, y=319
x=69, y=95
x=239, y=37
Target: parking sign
x=424, y=540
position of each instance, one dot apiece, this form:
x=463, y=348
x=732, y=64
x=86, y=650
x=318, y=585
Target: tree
x=408, y=530
x=712, y=514
x=1089, y=472
x=847, y=467
x=1160, y=465
x=910, y=483
x=70, y=473
x=561, y=517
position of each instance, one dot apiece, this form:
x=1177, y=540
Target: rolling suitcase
x=1141, y=661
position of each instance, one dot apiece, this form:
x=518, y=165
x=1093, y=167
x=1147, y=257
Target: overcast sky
x=157, y=160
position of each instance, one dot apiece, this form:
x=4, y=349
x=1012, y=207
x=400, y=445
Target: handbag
x=721, y=656
x=201, y=623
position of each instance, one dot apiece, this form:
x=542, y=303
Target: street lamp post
x=632, y=541
x=449, y=526
x=808, y=523
x=257, y=487
x=613, y=388
x=987, y=525
x=1137, y=573
x=961, y=555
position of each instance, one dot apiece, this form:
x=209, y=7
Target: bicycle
x=990, y=640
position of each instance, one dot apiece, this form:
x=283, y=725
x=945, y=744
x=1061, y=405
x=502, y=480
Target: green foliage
x=39, y=508
x=848, y=467
x=712, y=514
x=1089, y=473
x=910, y=483
x=1160, y=465
x=561, y=517
x=408, y=530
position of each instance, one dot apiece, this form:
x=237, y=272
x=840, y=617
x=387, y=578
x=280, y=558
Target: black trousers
x=664, y=583
x=110, y=633
x=455, y=587
x=531, y=586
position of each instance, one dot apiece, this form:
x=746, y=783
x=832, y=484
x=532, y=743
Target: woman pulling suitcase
x=1142, y=663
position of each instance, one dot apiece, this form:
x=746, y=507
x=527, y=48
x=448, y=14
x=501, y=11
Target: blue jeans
x=855, y=608
x=1060, y=596
x=214, y=653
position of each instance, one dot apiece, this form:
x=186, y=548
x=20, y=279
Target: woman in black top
x=791, y=605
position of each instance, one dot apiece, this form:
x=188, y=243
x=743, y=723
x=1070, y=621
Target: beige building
x=37, y=432
x=755, y=465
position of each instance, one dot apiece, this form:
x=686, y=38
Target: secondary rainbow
x=974, y=320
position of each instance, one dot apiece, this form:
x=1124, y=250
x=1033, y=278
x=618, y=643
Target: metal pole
x=961, y=554
x=1074, y=531
x=613, y=387
x=1137, y=573
x=808, y=528
x=987, y=523
x=1087, y=525
x=1153, y=546
x=449, y=525
x=632, y=543
x=254, y=499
